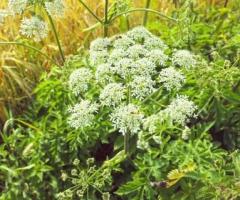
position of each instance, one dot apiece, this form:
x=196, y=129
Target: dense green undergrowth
x=43, y=156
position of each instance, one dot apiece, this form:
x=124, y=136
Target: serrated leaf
x=10, y=171
x=175, y=174
x=130, y=187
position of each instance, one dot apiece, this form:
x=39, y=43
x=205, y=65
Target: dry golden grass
x=20, y=67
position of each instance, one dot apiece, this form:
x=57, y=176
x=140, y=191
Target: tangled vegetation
x=144, y=113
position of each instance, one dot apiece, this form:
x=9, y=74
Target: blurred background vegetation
x=210, y=24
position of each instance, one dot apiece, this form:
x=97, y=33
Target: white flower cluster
x=139, y=34
x=17, y=6
x=123, y=42
x=125, y=70
x=79, y=80
x=112, y=94
x=127, y=119
x=180, y=110
x=55, y=8
x=82, y=114
x=158, y=57
x=171, y=78
x=154, y=43
x=184, y=58
x=34, y=28
x=137, y=51
x=14, y=7
x=3, y=15
x=103, y=73
x=128, y=55
x=100, y=44
x=142, y=86
x=98, y=57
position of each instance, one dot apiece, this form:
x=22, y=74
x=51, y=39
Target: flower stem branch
x=56, y=37
x=91, y=12
x=30, y=47
x=143, y=10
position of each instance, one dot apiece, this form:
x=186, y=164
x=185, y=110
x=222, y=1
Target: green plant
x=139, y=122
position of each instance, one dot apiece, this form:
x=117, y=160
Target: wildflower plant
x=36, y=27
x=126, y=76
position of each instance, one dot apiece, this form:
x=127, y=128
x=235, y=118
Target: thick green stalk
x=127, y=22
x=90, y=11
x=225, y=3
x=105, y=27
x=145, y=17
x=30, y=47
x=126, y=143
x=127, y=134
x=56, y=37
x=176, y=3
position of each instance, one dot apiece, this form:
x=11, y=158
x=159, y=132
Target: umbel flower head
x=158, y=57
x=125, y=71
x=103, y=73
x=34, y=28
x=3, y=14
x=136, y=51
x=55, y=8
x=139, y=34
x=171, y=78
x=117, y=55
x=98, y=57
x=154, y=42
x=184, y=58
x=17, y=6
x=112, y=94
x=123, y=42
x=79, y=80
x=127, y=118
x=82, y=114
x=100, y=44
x=142, y=86
x=180, y=110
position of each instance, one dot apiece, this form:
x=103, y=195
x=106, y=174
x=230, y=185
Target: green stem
x=175, y=3
x=143, y=10
x=127, y=134
x=105, y=27
x=30, y=47
x=56, y=37
x=145, y=18
x=127, y=22
x=91, y=12
x=126, y=143
x=226, y=3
